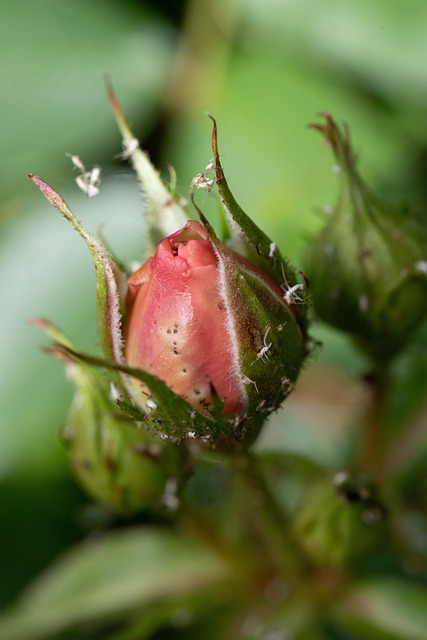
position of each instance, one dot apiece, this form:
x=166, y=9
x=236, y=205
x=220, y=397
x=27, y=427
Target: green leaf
x=105, y=579
x=388, y=609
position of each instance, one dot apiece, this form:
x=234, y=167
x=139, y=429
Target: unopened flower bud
x=123, y=467
x=118, y=465
x=212, y=325
x=341, y=522
x=214, y=333
x=368, y=266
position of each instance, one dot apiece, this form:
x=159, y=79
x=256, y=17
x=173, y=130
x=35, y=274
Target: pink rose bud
x=211, y=324
x=214, y=334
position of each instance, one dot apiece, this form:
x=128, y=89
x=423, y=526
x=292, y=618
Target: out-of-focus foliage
x=54, y=56
x=264, y=68
x=109, y=578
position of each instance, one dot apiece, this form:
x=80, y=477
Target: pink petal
x=176, y=326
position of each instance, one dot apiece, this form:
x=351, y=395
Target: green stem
x=373, y=441
x=268, y=516
x=201, y=62
x=406, y=444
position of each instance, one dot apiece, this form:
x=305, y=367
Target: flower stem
x=268, y=516
x=406, y=444
x=373, y=444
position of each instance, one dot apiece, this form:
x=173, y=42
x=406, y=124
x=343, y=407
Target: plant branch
x=373, y=440
x=406, y=444
x=270, y=519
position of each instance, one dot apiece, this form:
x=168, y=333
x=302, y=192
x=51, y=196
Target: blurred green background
x=265, y=69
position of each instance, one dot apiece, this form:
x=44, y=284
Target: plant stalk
x=268, y=516
x=373, y=440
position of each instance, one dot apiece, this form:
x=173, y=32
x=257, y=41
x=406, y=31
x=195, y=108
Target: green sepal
x=168, y=414
x=258, y=245
x=268, y=329
x=271, y=345
x=249, y=240
x=165, y=215
x=271, y=340
x=107, y=277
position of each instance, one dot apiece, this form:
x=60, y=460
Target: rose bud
x=214, y=334
x=124, y=468
x=368, y=266
x=211, y=324
x=340, y=523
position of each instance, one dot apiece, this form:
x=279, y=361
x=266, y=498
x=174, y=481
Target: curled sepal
x=120, y=465
x=164, y=412
x=268, y=341
x=107, y=275
x=368, y=265
x=246, y=236
x=339, y=142
x=164, y=213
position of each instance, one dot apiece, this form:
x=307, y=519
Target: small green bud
x=118, y=464
x=368, y=266
x=339, y=522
